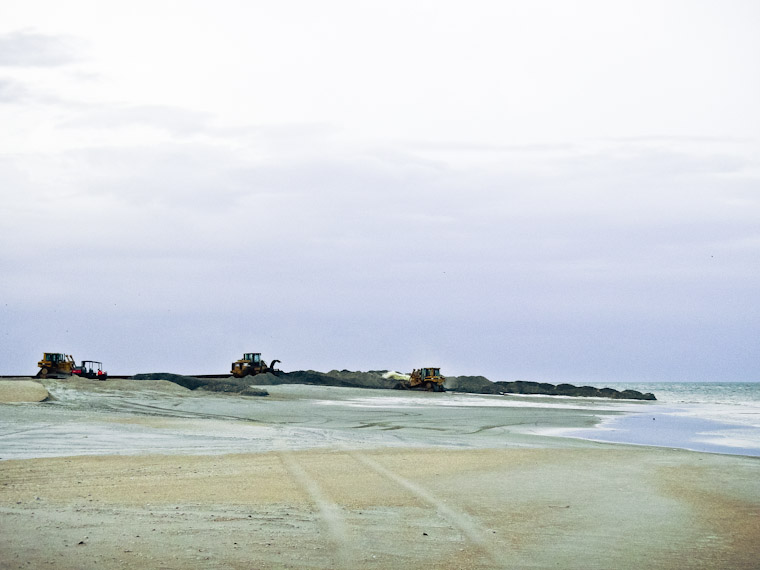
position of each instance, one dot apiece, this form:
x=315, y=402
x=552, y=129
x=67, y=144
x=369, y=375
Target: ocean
x=710, y=417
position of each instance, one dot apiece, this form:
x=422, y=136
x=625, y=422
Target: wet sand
x=314, y=477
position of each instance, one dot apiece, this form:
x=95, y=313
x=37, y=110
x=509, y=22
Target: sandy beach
x=125, y=474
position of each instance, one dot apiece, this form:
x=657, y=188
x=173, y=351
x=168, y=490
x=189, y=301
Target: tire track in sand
x=331, y=513
x=462, y=521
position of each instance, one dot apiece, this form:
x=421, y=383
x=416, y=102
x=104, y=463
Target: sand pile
x=344, y=378
x=482, y=385
x=12, y=391
x=384, y=379
x=230, y=384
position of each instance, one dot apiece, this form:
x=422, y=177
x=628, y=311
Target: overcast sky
x=540, y=190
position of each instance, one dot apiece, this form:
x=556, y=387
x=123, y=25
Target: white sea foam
x=715, y=417
x=408, y=401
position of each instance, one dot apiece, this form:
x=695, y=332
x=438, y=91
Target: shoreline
x=673, y=427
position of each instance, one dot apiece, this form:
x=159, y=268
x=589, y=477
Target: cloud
x=12, y=91
x=30, y=49
x=671, y=139
x=175, y=120
x=595, y=261
x=454, y=146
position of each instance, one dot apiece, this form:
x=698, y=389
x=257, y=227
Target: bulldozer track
x=161, y=411
x=330, y=512
x=339, y=524
x=31, y=429
x=469, y=528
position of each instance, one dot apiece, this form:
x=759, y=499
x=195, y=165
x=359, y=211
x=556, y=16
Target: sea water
x=711, y=417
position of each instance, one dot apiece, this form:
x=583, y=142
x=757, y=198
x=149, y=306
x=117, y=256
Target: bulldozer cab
x=54, y=357
x=431, y=372
x=253, y=357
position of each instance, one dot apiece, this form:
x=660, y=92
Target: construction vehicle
x=55, y=365
x=428, y=379
x=91, y=369
x=251, y=364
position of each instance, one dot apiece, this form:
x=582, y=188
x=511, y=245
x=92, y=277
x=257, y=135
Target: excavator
x=251, y=364
x=55, y=365
x=428, y=379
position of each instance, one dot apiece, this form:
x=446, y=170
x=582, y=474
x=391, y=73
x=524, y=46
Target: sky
x=526, y=190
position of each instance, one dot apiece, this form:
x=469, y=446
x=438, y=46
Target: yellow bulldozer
x=252, y=364
x=55, y=365
x=428, y=379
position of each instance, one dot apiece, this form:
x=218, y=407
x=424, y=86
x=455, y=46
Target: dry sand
x=22, y=390
x=510, y=500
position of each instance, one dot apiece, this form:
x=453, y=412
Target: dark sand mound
x=345, y=378
x=482, y=385
x=375, y=379
x=229, y=384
